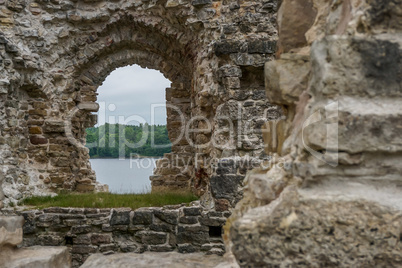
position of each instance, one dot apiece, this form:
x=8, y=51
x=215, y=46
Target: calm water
x=124, y=176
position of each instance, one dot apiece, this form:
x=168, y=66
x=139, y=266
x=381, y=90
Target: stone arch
x=206, y=48
x=124, y=43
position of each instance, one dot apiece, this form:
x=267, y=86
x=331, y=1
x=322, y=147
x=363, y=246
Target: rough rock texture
x=36, y=257
x=331, y=196
x=153, y=260
x=11, y=231
x=1, y=189
x=55, y=54
x=89, y=231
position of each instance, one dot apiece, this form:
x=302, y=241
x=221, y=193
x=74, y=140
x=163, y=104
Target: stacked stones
x=54, y=55
x=175, y=169
x=88, y=231
x=334, y=199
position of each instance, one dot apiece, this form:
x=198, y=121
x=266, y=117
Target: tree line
x=109, y=140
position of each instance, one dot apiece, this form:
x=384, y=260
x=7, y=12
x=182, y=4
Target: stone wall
x=331, y=196
x=54, y=55
x=88, y=231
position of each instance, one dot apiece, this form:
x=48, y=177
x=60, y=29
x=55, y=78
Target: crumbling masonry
x=329, y=191
x=55, y=54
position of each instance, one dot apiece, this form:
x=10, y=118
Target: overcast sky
x=132, y=90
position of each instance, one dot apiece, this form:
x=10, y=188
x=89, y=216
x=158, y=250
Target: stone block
x=212, y=221
x=161, y=248
x=172, y=3
x=88, y=106
x=98, y=239
x=162, y=227
x=199, y=3
x=226, y=47
x=194, y=238
x=35, y=130
x=38, y=257
x=11, y=230
x=59, y=210
x=50, y=239
x=186, y=248
x=120, y=217
x=169, y=216
x=54, y=126
x=74, y=222
x=192, y=211
x=38, y=140
x=142, y=217
x=292, y=29
x=355, y=118
x=188, y=219
x=82, y=229
x=287, y=78
x=152, y=238
x=261, y=47
x=222, y=205
x=108, y=247
x=84, y=239
x=226, y=186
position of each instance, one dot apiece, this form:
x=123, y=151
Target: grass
x=109, y=200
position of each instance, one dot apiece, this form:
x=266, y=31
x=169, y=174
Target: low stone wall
x=88, y=231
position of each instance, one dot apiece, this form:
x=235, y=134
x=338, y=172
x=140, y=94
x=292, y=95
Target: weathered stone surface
x=330, y=195
x=120, y=217
x=226, y=187
x=287, y=78
x=10, y=230
x=152, y=238
x=97, y=239
x=1, y=189
x=54, y=126
x=167, y=216
x=318, y=227
x=56, y=55
x=89, y=230
x=192, y=211
x=292, y=28
x=38, y=140
x=142, y=217
x=80, y=229
x=170, y=260
x=36, y=257
x=198, y=3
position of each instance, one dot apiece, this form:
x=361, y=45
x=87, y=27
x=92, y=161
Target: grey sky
x=132, y=90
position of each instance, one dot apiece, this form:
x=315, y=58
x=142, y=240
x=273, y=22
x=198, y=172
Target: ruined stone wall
x=108, y=231
x=55, y=54
x=332, y=197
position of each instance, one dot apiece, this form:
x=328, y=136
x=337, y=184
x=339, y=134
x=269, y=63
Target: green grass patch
x=109, y=200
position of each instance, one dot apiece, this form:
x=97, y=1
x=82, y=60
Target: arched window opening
x=131, y=131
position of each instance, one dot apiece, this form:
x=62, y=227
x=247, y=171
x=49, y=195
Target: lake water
x=124, y=176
